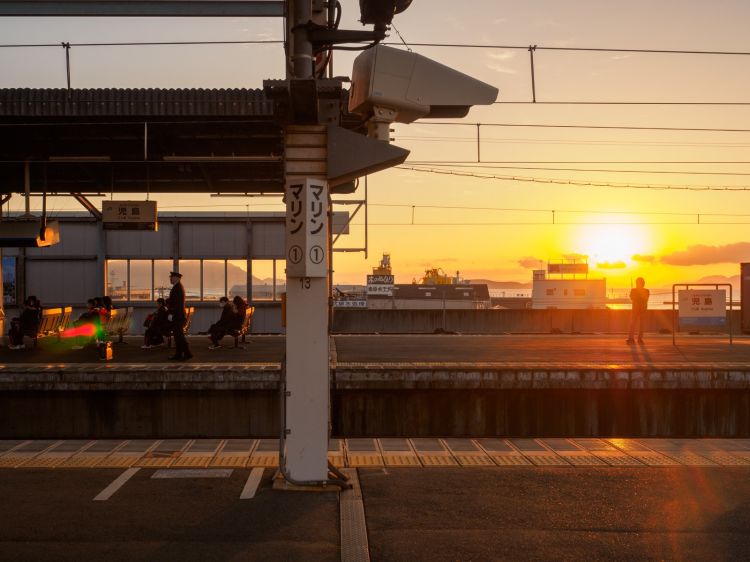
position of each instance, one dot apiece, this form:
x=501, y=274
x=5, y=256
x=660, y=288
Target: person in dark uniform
x=178, y=318
x=639, y=297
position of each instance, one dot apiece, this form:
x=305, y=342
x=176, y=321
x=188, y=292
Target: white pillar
x=307, y=358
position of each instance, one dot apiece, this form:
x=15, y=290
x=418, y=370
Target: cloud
x=501, y=69
x=644, y=258
x=611, y=265
x=575, y=256
x=530, y=262
x=501, y=55
x=620, y=57
x=706, y=255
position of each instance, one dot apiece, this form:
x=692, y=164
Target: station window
x=191, y=279
x=214, y=279
x=117, y=280
x=269, y=280
x=162, y=269
x=580, y=292
x=550, y=292
x=10, y=295
x=237, y=278
x=204, y=280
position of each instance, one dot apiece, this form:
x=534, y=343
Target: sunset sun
x=613, y=243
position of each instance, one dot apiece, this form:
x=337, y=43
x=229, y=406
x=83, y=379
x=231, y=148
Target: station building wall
x=88, y=258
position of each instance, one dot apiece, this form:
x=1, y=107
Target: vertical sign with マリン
x=307, y=228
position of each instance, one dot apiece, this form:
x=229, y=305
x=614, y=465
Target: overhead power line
x=577, y=49
x=565, y=126
x=595, y=170
x=142, y=43
x=559, y=181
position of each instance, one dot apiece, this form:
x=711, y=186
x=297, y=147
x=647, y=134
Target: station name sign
x=702, y=307
x=129, y=215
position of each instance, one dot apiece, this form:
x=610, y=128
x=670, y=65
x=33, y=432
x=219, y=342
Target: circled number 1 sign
x=295, y=254
x=316, y=254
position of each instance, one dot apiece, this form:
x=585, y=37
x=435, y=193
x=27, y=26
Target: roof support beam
x=144, y=8
x=88, y=205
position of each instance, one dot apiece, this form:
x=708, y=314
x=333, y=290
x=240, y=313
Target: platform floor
x=446, y=349
x=383, y=452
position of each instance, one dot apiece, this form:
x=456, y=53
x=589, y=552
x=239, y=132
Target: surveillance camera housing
x=381, y=12
x=411, y=87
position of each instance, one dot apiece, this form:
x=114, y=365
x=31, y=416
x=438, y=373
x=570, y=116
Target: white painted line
x=110, y=490
x=251, y=486
x=192, y=473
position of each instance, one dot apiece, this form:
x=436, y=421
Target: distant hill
x=734, y=279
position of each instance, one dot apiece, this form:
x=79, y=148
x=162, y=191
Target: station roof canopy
x=141, y=140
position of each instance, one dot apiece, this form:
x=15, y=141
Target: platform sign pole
x=307, y=359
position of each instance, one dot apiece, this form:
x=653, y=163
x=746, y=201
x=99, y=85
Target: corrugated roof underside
x=151, y=102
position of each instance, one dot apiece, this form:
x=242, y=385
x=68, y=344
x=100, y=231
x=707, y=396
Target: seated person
x=87, y=316
x=240, y=309
x=26, y=324
x=157, y=325
x=226, y=323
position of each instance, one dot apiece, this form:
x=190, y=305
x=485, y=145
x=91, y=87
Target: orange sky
x=491, y=243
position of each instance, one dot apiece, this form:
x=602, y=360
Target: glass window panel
x=237, y=278
x=213, y=280
x=280, y=278
x=117, y=280
x=191, y=278
x=262, y=280
x=9, y=280
x=161, y=278
x=140, y=280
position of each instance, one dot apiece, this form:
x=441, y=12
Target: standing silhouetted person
x=178, y=317
x=639, y=299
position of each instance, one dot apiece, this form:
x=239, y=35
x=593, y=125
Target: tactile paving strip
x=92, y=455
x=432, y=452
x=57, y=455
x=25, y=453
x=234, y=453
x=266, y=454
x=336, y=454
x=198, y=454
x=363, y=453
x=164, y=454
x=127, y=455
x=397, y=452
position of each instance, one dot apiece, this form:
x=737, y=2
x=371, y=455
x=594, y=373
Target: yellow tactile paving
x=337, y=459
x=401, y=459
x=229, y=461
x=615, y=458
x=192, y=461
x=726, y=459
x=155, y=461
x=689, y=459
x=473, y=460
x=266, y=460
x=361, y=460
x=118, y=461
x=437, y=460
x=546, y=459
x=581, y=459
x=653, y=459
x=511, y=459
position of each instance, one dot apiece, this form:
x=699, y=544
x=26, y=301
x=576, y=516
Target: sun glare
x=612, y=244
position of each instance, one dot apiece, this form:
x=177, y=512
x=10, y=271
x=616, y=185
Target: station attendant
x=178, y=317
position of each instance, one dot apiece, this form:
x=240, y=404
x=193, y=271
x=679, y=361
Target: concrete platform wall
x=383, y=413
x=500, y=321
